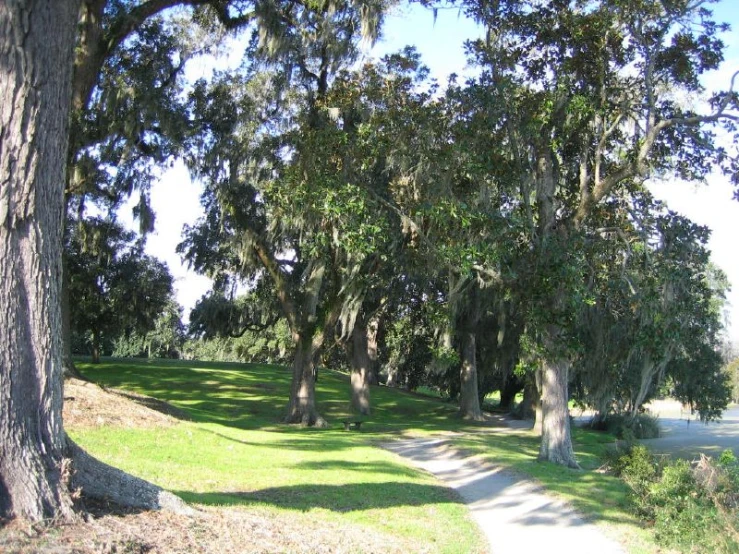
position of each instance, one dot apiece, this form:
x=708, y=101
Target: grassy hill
x=228, y=449
x=212, y=433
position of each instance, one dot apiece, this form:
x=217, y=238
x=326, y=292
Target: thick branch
x=271, y=265
x=639, y=166
x=254, y=327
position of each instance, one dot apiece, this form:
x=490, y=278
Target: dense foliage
x=115, y=289
x=495, y=234
x=693, y=506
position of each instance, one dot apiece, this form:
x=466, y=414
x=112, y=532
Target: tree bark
x=36, y=53
x=99, y=480
x=556, y=440
x=538, y=427
x=302, y=406
x=469, y=402
x=511, y=387
x=393, y=378
x=372, y=351
x=361, y=370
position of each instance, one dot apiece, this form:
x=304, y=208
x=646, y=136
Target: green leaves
x=115, y=289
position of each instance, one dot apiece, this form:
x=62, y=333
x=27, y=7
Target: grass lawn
x=233, y=451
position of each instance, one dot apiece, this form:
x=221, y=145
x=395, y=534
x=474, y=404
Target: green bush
x=639, y=469
x=643, y=426
x=693, y=507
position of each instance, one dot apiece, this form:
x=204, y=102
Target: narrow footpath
x=516, y=515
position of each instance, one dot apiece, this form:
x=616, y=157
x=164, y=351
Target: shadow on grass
x=313, y=440
x=337, y=498
x=591, y=491
x=371, y=467
x=254, y=396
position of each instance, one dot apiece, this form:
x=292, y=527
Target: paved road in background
x=688, y=438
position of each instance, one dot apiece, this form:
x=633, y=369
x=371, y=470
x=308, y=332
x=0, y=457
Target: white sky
x=175, y=197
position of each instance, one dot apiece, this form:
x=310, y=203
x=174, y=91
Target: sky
x=175, y=197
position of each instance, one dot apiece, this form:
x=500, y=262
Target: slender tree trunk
x=372, y=351
x=95, y=346
x=361, y=370
x=530, y=398
x=69, y=370
x=531, y=403
x=556, y=440
x=302, y=406
x=469, y=402
x=538, y=427
x=36, y=48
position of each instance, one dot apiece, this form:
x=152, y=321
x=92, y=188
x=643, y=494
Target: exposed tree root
x=99, y=480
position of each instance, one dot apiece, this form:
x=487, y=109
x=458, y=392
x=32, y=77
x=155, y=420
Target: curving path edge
x=516, y=515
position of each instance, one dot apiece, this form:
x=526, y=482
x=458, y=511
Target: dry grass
x=89, y=405
x=106, y=529
x=213, y=530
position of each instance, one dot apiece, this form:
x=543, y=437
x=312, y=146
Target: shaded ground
x=516, y=515
x=89, y=405
x=227, y=531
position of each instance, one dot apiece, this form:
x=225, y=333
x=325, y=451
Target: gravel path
x=516, y=515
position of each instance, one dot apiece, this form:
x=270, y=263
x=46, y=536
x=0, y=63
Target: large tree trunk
x=361, y=370
x=393, y=377
x=36, y=48
x=511, y=387
x=99, y=480
x=302, y=406
x=469, y=402
x=556, y=441
x=36, y=52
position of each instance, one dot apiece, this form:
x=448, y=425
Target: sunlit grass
x=235, y=452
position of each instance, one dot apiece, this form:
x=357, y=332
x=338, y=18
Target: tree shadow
x=255, y=396
x=153, y=404
x=336, y=498
x=391, y=469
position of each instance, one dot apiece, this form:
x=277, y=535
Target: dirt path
x=515, y=514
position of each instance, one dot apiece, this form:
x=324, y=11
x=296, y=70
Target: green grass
x=235, y=451
x=254, y=396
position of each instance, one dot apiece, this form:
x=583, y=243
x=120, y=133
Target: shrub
x=643, y=426
x=693, y=507
x=639, y=469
